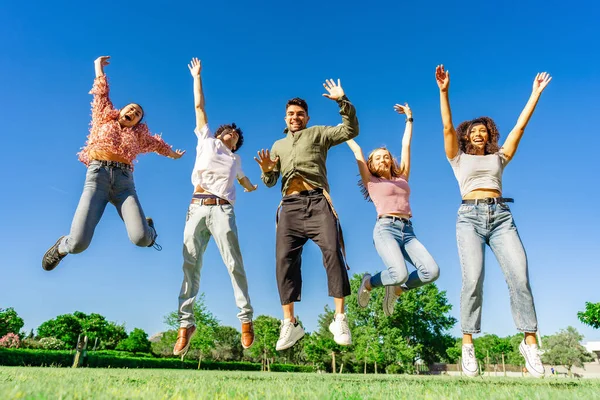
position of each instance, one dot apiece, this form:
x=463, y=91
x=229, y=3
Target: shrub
x=50, y=343
x=10, y=341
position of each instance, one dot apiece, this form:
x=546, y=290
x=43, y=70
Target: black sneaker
x=52, y=257
x=151, y=225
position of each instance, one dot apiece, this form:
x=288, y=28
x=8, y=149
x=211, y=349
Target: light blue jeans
x=493, y=224
x=396, y=242
x=202, y=223
x=104, y=184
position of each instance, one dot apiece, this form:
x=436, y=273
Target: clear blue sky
x=254, y=59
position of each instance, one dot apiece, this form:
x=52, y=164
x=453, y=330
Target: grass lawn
x=66, y=383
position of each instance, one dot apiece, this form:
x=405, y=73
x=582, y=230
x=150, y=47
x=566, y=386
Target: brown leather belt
x=210, y=201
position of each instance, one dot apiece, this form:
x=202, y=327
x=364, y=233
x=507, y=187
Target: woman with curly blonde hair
x=385, y=182
x=485, y=218
x=115, y=140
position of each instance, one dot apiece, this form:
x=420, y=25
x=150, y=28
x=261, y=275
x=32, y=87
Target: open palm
x=442, y=78
x=265, y=162
x=540, y=82
x=334, y=91
x=195, y=67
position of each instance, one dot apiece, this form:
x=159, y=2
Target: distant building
x=593, y=347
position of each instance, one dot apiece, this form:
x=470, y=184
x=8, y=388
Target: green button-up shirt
x=304, y=153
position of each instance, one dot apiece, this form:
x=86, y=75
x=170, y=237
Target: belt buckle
x=490, y=200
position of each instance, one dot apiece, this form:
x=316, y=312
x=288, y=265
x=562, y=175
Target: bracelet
x=409, y=119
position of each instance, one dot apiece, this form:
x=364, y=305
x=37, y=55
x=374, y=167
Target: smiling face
x=230, y=138
x=380, y=163
x=130, y=115
x=478, y=137
x=296, y=118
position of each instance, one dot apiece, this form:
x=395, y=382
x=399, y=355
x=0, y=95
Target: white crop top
x=478, y=172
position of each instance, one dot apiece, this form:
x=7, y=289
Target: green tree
x=10, y=322
x=591, y=315
x=228, y=346
x=66, y=328
x=266, y=333
x=322, y=350
x=137, y=342
x=564, y=349
x=367, y=346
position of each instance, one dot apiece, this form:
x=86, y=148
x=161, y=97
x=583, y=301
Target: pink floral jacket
x=106, y=134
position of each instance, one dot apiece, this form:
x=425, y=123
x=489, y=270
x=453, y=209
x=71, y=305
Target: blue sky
x=254, y=59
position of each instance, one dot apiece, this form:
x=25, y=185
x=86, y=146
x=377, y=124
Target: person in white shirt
x=211, y=214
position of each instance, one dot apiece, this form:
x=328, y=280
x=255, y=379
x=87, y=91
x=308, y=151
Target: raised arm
x=365, y=174
x=154, y=143
x=450, y=140
x=348, y=129
x=514, y=137
x=195, y=67
x=102, y=107
x=406, y=138
x=269, y=167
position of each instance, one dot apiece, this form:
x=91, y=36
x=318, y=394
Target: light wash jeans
x=202, y=222
x=396, y=242
x=493, y=224
x=105, y=184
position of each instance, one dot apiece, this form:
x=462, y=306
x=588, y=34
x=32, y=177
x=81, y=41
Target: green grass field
x=64, y=383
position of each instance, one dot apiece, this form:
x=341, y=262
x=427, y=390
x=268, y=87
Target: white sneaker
x=363, y=296
x=340, y=330
x=533, y=363
x=290, y=333
x=389, y=300
x=469, y=363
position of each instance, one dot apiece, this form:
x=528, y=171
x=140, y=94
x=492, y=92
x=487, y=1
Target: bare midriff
x=398, y=215
x=297, y=185
x=481, y=194
x=107, y=156
x=199, y=189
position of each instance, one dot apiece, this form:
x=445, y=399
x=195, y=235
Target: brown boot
x=184, y=337
x=247, y=334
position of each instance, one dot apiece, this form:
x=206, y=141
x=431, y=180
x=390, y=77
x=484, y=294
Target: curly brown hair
x=395, y=171
x=297, y=101
x=463, y=130
x=223, y=129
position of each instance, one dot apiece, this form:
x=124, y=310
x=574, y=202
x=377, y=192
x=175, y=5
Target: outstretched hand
x=176, y=154
x=265, y=162
x=102, y=61
x=540, y=82
x=334, y=92
x=442, y=78
x=403, y=109
x=195, y=67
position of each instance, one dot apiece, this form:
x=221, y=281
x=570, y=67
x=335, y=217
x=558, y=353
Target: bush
x=29, y=343
x=10, y=341
x=50, y=343
x=35, y=358
x=292, y=368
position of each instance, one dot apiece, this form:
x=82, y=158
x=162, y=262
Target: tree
x=564, y=349
x=10, y=322
x=591, y=315
x=228, y=346
x=68, y=327
x=137, y=342
x=321, y=349
x=266, y=333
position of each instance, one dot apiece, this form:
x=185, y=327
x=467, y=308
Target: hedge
x=109, y=359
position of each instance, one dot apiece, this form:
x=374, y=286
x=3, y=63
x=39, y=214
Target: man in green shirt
x=306, y=211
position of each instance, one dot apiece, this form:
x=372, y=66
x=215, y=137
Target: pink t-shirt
x=390, y=196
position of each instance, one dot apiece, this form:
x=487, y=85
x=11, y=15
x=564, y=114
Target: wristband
x=409, y=119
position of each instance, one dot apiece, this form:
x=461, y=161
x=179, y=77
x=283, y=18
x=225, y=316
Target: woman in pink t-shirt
x=115, y=140
x=385, y=183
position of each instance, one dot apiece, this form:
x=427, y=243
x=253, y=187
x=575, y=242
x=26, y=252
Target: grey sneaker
x=340, y=330
x=469, y=362
x=363, y=296
x=151, y=225
x=290, y=333
x=52, y=257
x=389, y=300
x=533, y=363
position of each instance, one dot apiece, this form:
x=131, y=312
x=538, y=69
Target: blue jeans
x=104, y=184
x=202, y=223
x=396, y=242
x=476, y=226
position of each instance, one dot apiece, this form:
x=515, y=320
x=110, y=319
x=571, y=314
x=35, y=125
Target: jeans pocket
x=190, y=211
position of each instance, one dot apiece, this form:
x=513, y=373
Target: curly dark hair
x=297, y=101
x=462, y=132
x=395, y=171
x=223, y=129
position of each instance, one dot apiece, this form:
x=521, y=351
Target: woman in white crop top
x=485, y=218
x=385, y=183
